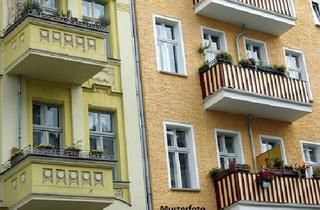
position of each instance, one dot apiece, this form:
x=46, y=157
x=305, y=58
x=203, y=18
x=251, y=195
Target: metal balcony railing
x=55, y=153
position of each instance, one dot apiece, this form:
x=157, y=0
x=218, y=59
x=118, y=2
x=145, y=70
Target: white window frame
x=316, y=19
x=45, y=128
x=192, y=160
x=263, y=49
x=93, y=2
x=305, y=75
x=237, y=138
x=316, y=145
x=218, y=33
x=50, y=9
x=180, y=57
x=274, y=139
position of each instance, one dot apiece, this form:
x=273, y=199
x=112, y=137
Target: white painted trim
x=178, y=22
x=245, y=38
x=215, y=30
x=189, y=127
x=315, y=19
x=307, y=142
x=275, y=138
x=236, y=133
x=305, y=68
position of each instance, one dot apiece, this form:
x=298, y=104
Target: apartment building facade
x=69, y=134
x=204, y=109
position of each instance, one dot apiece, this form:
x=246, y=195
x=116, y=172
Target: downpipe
x=253, y=150
x=140, y=107
x=19, y=112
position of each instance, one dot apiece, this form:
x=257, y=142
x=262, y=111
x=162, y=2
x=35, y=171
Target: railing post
x=216, y=189
x=202, y=84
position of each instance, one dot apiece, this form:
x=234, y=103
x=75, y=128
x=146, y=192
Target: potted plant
x=45, y=147
x=30, y=5
x=103, y=21
x=288, y=171
x=72, y=151
x=281, y=69
x=243, y=168
x=96, y=153
x=224, y=57
x=16, y=155
x=215, y=173
x=204, y=66
x=264, y=179
x=300, y=169
x=248, y=63
x=316, y=173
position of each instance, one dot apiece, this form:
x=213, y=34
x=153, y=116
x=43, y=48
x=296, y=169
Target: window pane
x=54, y=139
x=108, y=146
x=215, y=45
x=171, y=58
x=184, y=168
x=170, y=141
x=99, y=10
x=222, y=163
x=93, y=121
x=229, y=144
x=105, y=120
x=49, y=3
x=169, y=32
x=220, y=143
x=256, y=53
x=36, y=114
x=172, y=170
x=305, y=153
x=86, y=8
x=264, y=147
x=316, y=10
x=181, y=138
x=37, y=137
x=312, y=155
x=93, y=143
x=53, y=117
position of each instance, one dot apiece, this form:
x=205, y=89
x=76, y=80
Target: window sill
x=185, y=189
x=173, y=74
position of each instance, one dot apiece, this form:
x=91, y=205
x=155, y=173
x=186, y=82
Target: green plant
x=45, y=146
x=287, y=167
x=300, y=169
x=224, y=56
x=281, y=68
x=268, y=162
x=215, y=171
x=204, y=66
x=17, y=153
x=30, y=5
x=278, y=163
x=104, y=21
x=203, y=47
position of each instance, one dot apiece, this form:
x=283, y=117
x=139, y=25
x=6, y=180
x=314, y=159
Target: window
x=47, y=127
x=229, y=148
x=49, y=5
x=215, y=40
x=295, y=64
x=92, y=9
x=181, y=156
x=256, y=50
x=102, y=136
x=316, y=11
x=169, y=47
x=311, y=155
x=269, y=142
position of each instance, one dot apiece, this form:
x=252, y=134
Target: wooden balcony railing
x=223, y=75
x=282, y=7
x=237, y=186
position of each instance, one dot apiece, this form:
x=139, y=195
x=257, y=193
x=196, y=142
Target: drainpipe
x=253, y=150
x=19, y=112
x=237, y=41
x=140, y=107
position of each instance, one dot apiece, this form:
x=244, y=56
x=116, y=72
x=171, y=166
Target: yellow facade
x=174, y=98
x=78, y=68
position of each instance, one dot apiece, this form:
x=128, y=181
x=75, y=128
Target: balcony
x=233, y=89
x=54, y=48
x=269, y=16
x=238, y=190
x=57, y=179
